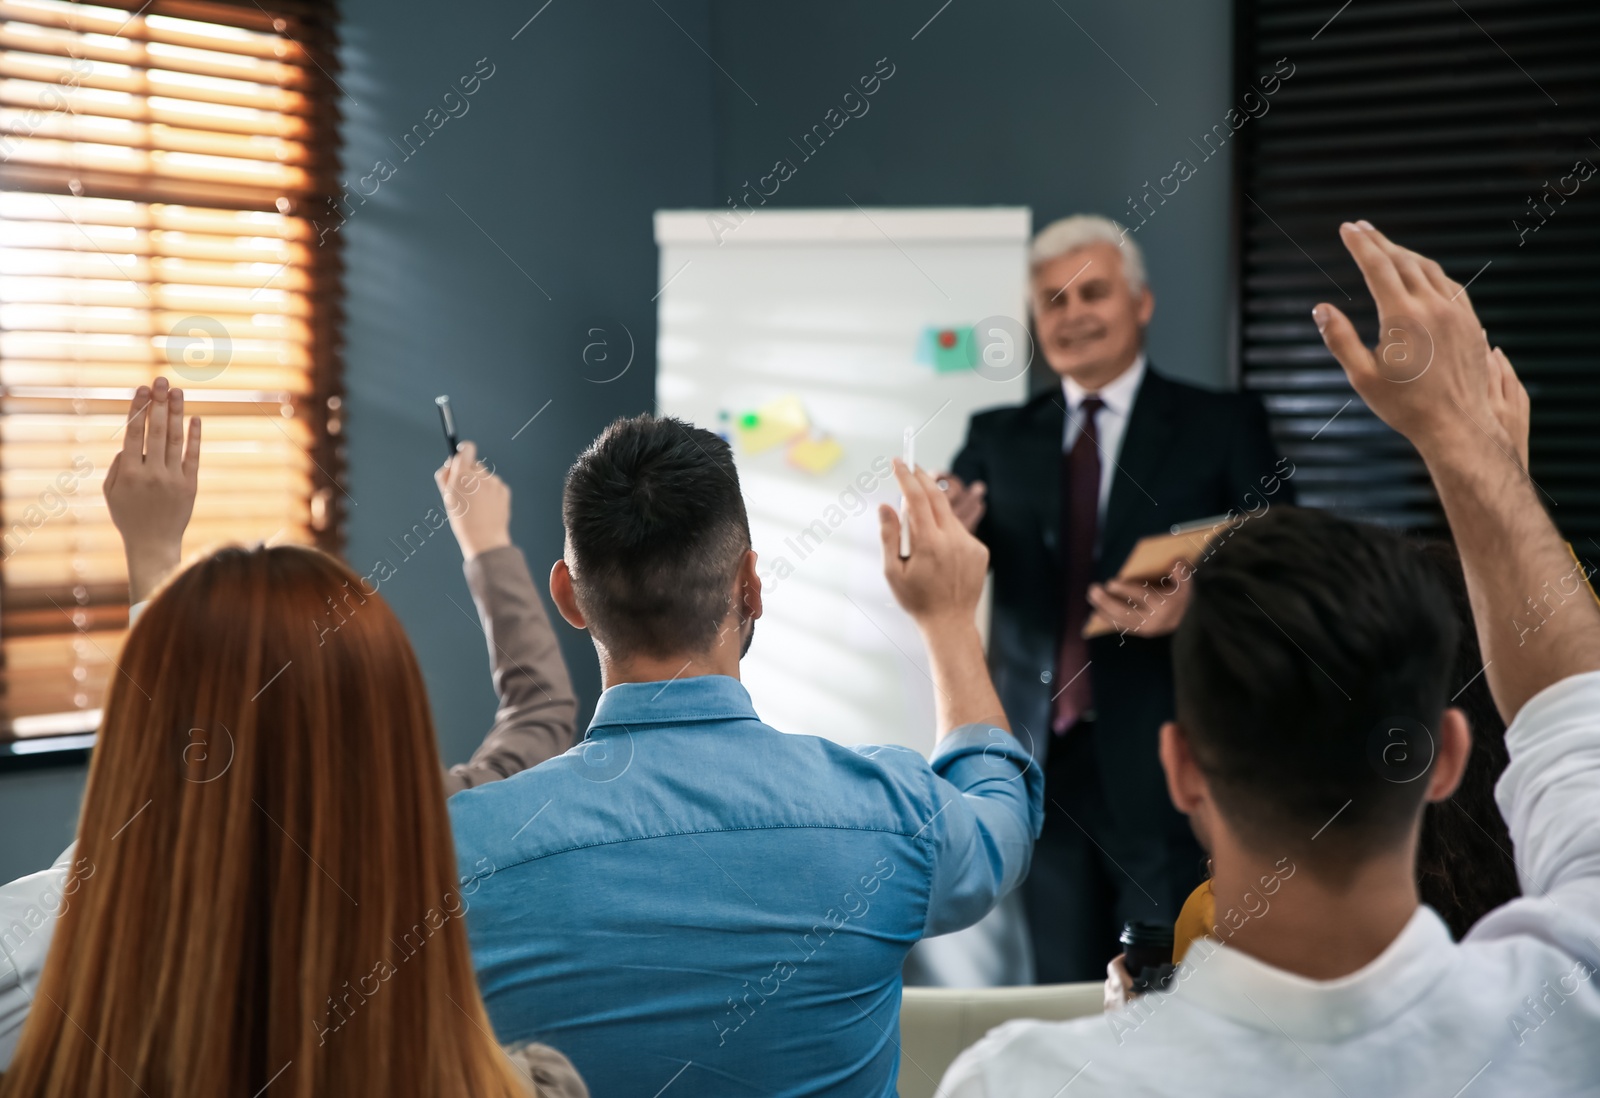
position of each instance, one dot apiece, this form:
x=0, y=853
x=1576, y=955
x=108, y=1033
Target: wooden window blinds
x=162, y=169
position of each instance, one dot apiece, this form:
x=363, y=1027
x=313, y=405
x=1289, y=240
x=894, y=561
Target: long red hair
x=270, y=894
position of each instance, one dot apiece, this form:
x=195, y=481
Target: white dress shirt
x=1110, y=424
x=1514, y=1009
x=29, y=908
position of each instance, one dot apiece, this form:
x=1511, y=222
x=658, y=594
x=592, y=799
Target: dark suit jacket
x=1187, y=454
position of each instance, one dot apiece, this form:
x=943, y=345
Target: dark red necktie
x=1080, y=520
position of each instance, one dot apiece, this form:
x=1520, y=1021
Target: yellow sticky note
x=772, y=424
x=815, y=455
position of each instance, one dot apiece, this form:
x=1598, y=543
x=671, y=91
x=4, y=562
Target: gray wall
x=596, y=115
x=1002, y=102
x=38, y=813
x=601, y=112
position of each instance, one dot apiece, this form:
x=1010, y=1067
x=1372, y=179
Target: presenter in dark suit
x=1060, y=489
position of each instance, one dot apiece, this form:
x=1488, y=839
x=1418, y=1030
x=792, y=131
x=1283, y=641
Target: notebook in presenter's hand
x=1153, y=557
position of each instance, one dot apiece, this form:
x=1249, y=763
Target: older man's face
x=1090, y=324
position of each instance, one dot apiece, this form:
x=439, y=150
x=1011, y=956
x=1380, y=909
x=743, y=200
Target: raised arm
x=150, y=486
x=537, y=710
x=939, y=585
x=1532, y=630
x=987, y=797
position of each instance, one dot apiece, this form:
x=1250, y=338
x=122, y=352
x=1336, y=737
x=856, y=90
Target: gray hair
x=1070, y=233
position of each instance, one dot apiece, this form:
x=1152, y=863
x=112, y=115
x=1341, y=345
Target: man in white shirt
x=1303, y=755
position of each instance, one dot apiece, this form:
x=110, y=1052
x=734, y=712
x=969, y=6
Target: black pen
x=448, y=420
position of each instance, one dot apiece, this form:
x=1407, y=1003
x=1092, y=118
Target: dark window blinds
x=1466, y=131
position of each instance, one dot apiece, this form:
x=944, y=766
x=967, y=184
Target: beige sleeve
x=537, y=706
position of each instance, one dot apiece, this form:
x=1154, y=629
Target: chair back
x=937, y=1023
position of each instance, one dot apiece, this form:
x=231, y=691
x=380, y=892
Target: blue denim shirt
x=690, y=897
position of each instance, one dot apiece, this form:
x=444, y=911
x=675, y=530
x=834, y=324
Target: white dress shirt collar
x=1118, y=394
x=1253, y=993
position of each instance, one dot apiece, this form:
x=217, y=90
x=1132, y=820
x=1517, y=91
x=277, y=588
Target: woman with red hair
x=273, y=899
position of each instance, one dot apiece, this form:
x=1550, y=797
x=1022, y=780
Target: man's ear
x=561, y=594
x=1147, y=307
x=1186, y=785
x=747, y=587
x=1450, y=754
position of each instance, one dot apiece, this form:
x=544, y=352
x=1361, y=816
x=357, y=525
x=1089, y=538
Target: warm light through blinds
x=159, y=167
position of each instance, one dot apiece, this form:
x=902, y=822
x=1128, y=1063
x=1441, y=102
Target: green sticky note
x=952, y=349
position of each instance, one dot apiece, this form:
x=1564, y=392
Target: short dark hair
x=656, y=529
x=1312, y=667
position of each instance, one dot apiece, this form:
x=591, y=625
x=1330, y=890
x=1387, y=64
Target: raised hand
x=943, y=577
x=939, y=585
x=150, y=486
x=1436, y=380
x=1429, y=376
x=477, y=501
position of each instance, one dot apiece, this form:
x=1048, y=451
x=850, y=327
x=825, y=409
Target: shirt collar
x=1117, y=394
x=676, y=701
x=1228, y=982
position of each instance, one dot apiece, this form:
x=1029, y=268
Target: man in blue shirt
x=693, y=902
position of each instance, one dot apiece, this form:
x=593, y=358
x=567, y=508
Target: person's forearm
x=147, y=568
x=537, y=705
x=1537, y=622
x=962, y=690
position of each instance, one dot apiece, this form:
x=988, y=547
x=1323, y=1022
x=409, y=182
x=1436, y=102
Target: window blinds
x=1466, y=131
x=161, y=167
